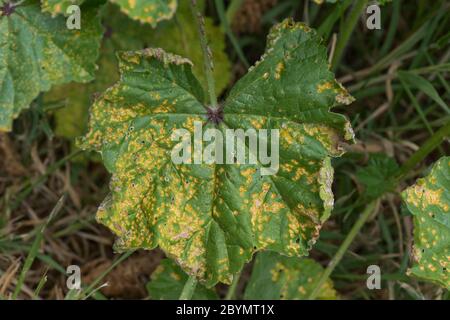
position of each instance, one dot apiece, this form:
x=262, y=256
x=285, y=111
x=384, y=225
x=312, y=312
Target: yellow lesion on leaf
x=276, y=271
x=321, y=87
x=279, y=70
x=326, y=135
x=421, y=196
x=164, y=107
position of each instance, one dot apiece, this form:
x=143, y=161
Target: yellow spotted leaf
x=429, y=202
x=211, y=217
x=148, y=11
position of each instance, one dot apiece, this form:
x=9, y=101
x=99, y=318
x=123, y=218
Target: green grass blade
x=39, y=287
x=224, y=22
x=35, y=247
x=347, y=30
x=337, y=12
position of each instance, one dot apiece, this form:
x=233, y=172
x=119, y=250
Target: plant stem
x=189, y=288
x=432, y=143
x=232, y=290
x=347, y=31
x=343, y=248
x=191, y=283
x=207, y=55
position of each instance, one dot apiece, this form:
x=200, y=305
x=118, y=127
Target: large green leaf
x=38, y=51
x=212, y=218
x=168, y=280
x=288, y=278
x=148, y=11
x=125, y=34
x=429, y=202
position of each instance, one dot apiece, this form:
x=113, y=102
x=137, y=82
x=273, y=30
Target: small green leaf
x=125, y=34
x=168, y=280
x=38, y=51
x=148, y=11
x=429, y=202
x=377, y=175
x=288, y=278
x=211, y=218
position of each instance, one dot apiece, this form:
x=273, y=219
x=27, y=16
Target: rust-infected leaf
x=429, y=202
x=211, y=218
x=287, y=278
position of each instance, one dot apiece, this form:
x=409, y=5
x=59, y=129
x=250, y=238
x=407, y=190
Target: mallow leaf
x=377, y=176
x=168, y=280
x=38, y=51
x=277, y=277
x=211, y=217
x=429, y=202
x=148, y=11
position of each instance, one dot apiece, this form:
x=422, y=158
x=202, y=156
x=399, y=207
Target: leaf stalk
x=207, y=54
